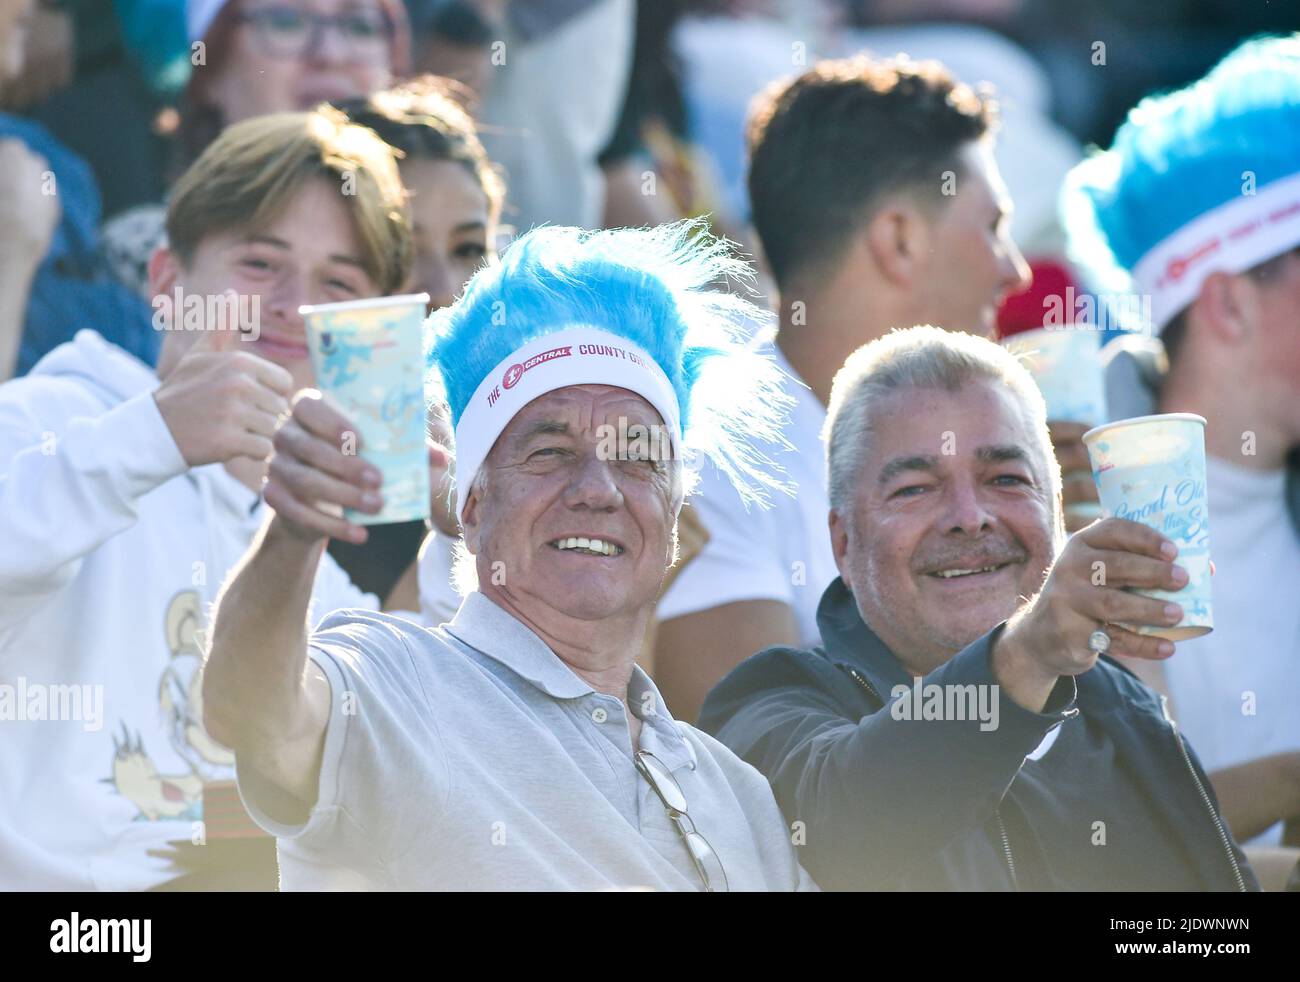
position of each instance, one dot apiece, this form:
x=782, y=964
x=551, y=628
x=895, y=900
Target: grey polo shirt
x=470, y=757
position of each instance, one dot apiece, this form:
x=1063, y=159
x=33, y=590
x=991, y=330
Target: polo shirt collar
x=483, y=625
x=660, y=733
x=486, y=627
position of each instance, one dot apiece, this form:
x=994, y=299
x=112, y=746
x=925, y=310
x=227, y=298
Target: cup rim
x=1096, y=431
x=366, y=303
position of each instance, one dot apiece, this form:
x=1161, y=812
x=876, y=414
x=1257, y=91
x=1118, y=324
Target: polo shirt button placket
x=598, y=715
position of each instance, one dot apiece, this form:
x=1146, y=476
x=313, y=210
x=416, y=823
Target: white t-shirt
x=1236, y=691
x=111, y=553
x=551, y=108
x=782, y=552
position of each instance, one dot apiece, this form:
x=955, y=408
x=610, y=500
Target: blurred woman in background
x=265, y=56
x=455, y=196
x=252, y=57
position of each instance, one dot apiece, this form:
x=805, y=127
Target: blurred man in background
x=878, y=205
x=1198, y=205
x=559, y=75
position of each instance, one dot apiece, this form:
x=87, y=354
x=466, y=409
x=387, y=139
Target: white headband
x=1231, y=238
x=574, y=356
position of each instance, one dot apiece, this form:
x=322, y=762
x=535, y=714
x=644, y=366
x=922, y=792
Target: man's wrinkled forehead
x=579, y=409
x=916, y=428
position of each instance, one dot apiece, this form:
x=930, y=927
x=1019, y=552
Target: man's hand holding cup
x=314, y=475
x=1059, y=632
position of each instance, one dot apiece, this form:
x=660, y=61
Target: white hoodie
x=111, y=552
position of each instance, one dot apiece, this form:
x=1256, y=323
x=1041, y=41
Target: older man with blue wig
x=518, y=745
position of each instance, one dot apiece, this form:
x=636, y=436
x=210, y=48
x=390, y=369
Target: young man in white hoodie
x=126, y=494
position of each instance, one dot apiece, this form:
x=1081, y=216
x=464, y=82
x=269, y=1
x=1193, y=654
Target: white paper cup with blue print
x=369, y=358
x=1151, y=469
x=1066, y=366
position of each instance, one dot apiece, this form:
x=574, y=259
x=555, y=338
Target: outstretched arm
x=262, y=697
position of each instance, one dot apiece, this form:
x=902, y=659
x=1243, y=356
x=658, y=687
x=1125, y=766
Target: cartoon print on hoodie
x=180, y=702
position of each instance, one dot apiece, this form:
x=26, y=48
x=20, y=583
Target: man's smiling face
x=952, y=521
x=575, y=530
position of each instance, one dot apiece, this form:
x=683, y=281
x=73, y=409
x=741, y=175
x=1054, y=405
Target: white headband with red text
x=1232, y=238
x=574, y=356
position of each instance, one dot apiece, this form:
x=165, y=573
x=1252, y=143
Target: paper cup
x=1066, y=365
x=369, y=358
x=1152, y=470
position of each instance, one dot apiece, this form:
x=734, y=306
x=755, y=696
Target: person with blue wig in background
x=517, y=745
x=1196, y=210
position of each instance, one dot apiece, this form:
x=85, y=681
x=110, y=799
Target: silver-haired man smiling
x=955, y=590
x=518, y=745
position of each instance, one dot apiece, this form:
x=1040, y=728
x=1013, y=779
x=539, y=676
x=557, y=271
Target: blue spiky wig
x=637, y=308
x=1200, y=180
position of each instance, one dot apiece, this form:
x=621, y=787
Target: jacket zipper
x=859, y=678
x=1218, y=824
x=1006, y=850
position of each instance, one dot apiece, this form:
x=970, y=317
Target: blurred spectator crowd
x=141, y=139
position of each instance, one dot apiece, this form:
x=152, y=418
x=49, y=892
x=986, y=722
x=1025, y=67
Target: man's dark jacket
x=898, y=804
